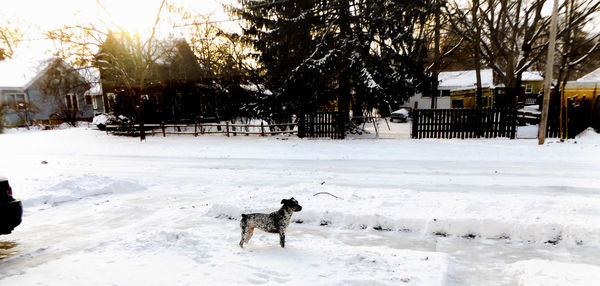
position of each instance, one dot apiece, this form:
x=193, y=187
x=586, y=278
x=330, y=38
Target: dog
x=275, y=222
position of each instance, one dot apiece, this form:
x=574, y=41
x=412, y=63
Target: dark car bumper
x=10, y=216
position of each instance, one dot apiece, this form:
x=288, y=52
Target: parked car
x=11, y=210
x=400, y=115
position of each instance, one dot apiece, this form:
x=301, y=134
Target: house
x=175, y=88
x=533, y=83
x=457, y=89
x=42, y=91
x=586, y=87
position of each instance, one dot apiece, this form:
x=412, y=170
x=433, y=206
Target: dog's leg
x=244, y=226
x=282, y=237
x=242, y=240
x=246, y=235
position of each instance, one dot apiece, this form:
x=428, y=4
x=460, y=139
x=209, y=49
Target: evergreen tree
x=346, y=54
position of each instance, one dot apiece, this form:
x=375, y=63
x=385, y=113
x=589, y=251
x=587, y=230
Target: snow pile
x=40, y=127
x=588, y=136
x=101, y=119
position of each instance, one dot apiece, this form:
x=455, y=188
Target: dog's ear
x=283, y=201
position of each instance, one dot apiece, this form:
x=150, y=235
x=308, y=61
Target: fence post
x=415, y=122
x=227, y=127
x=195, y=128
x=262, y=129
x=162, y=125
x=301, y=126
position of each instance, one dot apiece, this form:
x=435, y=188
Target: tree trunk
x=344, y=78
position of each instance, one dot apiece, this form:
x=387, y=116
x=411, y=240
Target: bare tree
x=576, y=45
x=131, y=66
x=9, y=39
x=513, y=33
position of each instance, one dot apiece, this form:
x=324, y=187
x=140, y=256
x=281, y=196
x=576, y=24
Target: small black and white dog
x=275, y=222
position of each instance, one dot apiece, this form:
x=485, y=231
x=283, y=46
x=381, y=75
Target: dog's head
x=292, y=204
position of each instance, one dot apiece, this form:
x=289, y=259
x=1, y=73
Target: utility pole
x=548, y=79
x=477, y=53
x=436, y=61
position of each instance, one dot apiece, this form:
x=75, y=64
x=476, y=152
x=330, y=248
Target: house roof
x=591, y=77
x=532, y=76
x=461, y=79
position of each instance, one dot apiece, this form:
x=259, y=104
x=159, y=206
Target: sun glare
x=131, y=16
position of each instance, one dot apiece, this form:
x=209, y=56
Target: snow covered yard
x=109, y=210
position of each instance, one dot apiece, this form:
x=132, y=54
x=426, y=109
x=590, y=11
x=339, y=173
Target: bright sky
x=36, y=16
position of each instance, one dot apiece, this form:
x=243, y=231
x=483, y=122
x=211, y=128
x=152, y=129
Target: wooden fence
x=322, y=125
x=196, y=129
x=575, y=121
x=464, y=123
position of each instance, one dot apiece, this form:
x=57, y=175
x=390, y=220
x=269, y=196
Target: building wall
x=419, y=101
x=41, y=108
x=536, y=86
x=580, y=90
x=468, y=98
x=47, y=105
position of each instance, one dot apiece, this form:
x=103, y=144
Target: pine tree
x=356, y=54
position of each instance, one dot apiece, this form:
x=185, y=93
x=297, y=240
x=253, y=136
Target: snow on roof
x=532, y=76
x=92, y=76
x=593, y=76
x=461, y=79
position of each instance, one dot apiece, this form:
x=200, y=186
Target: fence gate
x=322, y=125
x=464, y=123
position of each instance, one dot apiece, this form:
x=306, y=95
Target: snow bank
x=588, y=136
x=542, y=272
x=78, y=188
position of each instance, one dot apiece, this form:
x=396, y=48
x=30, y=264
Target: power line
x=264, y=5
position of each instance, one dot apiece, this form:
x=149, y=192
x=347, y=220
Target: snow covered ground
x=109, y=210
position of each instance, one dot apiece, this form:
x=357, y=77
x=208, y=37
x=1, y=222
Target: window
x=528, y=88
x=111, y=99
x=485, y=101
x=68, y=101
x=15, y=101
x=88, y=100
x=71, y=101
x=457, y=103
x=446, y=92
x=95, y=102
x=9, y=101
